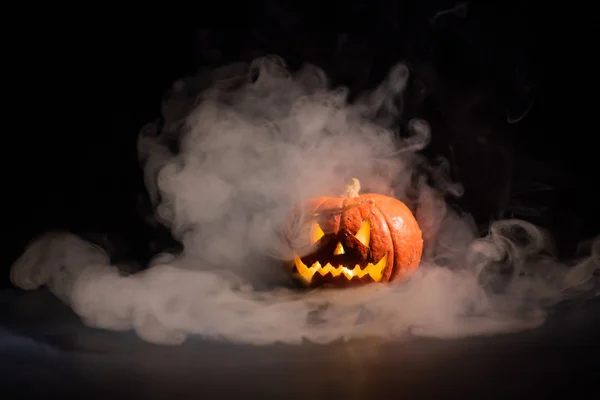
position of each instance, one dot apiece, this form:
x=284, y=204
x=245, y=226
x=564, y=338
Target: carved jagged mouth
x=375, y=271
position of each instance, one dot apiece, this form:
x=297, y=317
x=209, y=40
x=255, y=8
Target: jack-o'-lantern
x=353, y=239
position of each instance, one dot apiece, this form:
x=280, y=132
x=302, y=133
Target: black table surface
x=45, y=351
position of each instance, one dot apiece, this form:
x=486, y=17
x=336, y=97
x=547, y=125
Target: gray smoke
x=238, y=148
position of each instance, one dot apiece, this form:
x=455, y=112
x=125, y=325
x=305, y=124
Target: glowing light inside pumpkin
x=375, y=271
x=316, y=233
x=364, y=233
x=339, y=249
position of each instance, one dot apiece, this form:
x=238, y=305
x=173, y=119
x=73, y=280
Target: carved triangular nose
x=339, y=249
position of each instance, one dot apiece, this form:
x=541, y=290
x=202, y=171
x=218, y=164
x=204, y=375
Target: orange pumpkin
x=353, y=239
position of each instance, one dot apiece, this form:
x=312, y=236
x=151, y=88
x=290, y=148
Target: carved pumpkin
x=353, y=239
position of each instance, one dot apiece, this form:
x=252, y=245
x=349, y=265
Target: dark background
x=86, y=86
x=84, y=81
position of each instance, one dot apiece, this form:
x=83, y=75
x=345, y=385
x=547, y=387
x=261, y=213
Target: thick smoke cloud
x=238, y=147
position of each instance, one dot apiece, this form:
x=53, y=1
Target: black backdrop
x=86, y=84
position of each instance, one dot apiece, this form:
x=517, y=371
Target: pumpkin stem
x=352, y=188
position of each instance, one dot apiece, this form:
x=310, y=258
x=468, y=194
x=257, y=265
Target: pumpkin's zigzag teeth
x=375, y=271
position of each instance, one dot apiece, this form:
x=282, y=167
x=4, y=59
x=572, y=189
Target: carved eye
x=364, y=233
x=316, y=233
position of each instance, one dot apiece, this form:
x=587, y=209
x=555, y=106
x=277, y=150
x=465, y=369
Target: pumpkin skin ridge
x=394, y=270
x=409, y=268
x=392, y=257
